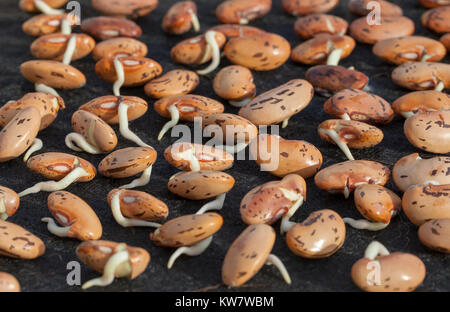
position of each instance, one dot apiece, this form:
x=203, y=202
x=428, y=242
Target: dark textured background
x=48, y=273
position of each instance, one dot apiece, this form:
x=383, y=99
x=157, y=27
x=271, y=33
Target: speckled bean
x=17, y=242
x=174, y=82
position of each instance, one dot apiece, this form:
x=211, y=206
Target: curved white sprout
x=175, y=117
x=439, y=87
x=81, y=144
x=285, y=123
x=274, y=260
x=216, y=204
x=193, y=250
x=332, y=134
x=121, y=257
x=120, y=76
x=243, y=21
x=365, y=224
x=66, y=27
x=345, y=117
x=286, y=225
x=51, y=186
x=375, y=249
x=46, y=9
x=40, y=87
x=346, y=191
x=141, y=181
x=240, y=103
x=35, y=146
x=123, y=126
x=210, y=38
x=335, y=55
x=425, y=57
x=194, y=20
x=189, y=155
x=70, y=50
x=125, y=222
x=55, y=229
x=3, y=214
x=406, y=115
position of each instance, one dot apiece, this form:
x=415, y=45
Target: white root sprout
x=175, y=117
x=122, y=220
x=439, y=87
x=46, y=9
x=274, y=260
x=345, y=117
x=210, y=38
x=66, y=27
x=55, y=229
x=51, y=186
x=365, y=224
x=286, y=225
x=285, y=123
x=120, y=258
x=35, y=146
x=189, y=155
x=123, y=126
x=374, y=250
x=141, y=181
x=81, y=144
x=193, y=250
x=120, y=76
x=332, y=134
x=335, y=54
x=3, y=214
x=216, y=204
x=194, y=20
x=40, y=87
x=70, y=50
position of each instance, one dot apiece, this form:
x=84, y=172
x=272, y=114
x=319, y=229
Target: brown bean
x=268, y=202
x=187, y=230
x=8, y=283
x=399, y=272
x=53, y=46
x=106, y=107
x=102, y=27
x=44, y=24
x=377, y=203
x=119, y=47
x=294, y=156
x=321, y=235
x=445, y=40
x=422, y=203
x=17, y=242
x=189, y=106
x=203, y=184
x=127, y=162
x=208, y=157
x=53, y=74
x=55, y=166
x=345, y=176
x=332, y=78
x=18, y=135
x=295, y=7
x=317, y=49
x=389, y=27
x=178, y=18
x=47, y=103
x=360, y=7
x=124, y=8
x=242, y=12
x=422, y=75
x=138, y=70
x=278, y=104
x=434, y=3
x=195, y=51
x=314, y=24
x=174, y=82
x=10, y=201
x=437, y=19
x=412, y=102
x=234, y=83
x=233, y=128
x=429, y=131
x=233, y=30
x=260, y=52
x=413, y=170
x=140, y=205
x=360, y=106
x=29, y=6
x=435, y=234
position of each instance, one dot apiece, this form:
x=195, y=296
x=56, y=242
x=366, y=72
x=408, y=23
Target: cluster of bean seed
x=121, y=60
